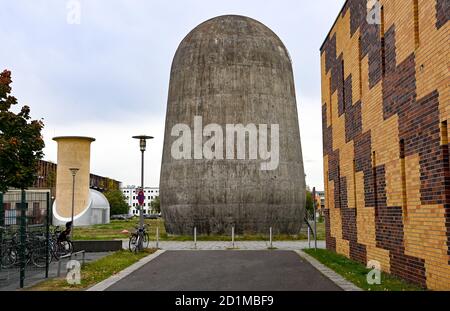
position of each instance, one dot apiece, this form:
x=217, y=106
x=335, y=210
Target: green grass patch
x=95, y=272
x=357, y=273
x=114, y=230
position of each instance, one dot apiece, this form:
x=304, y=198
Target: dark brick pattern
x=327, y=133
x=353, y=122
x=329, y=240
x=442, y=12
x=349, y=232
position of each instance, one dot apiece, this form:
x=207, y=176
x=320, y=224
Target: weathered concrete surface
x=232, y=70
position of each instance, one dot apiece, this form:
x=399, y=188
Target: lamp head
x=74, y=170
x=143, y=141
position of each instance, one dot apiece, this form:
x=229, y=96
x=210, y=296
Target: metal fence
x=24, y=236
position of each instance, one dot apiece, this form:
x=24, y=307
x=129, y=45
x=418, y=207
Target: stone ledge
x=95, y=246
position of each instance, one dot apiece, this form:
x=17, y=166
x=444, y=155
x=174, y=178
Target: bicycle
x=139, y=240
x=61, y=243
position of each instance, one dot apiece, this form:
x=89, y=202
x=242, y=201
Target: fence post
x=47, y=235
x=309, y=238
x=2, y=225
x=232, y=236
x=314, y=210
x=23, y=220
x=157, y=236
x=270, y=237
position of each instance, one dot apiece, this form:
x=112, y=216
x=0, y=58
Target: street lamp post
x=74, y=172
x=142, y=145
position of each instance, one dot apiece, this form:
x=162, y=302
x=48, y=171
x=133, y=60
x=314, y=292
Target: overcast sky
x=108, y=76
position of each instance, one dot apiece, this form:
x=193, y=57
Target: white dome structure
x=96, y=212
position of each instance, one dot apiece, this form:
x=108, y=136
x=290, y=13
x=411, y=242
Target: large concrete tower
x=231, y=70
x=90, y=207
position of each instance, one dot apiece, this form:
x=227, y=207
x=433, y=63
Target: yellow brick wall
x=424, y=229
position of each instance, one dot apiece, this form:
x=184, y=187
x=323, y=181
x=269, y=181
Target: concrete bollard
x=309, y=238
x=270, y=237
x=232, y=236
x=195, y=237
x=157, y=237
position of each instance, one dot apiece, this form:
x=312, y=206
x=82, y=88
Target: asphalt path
x=226, y=270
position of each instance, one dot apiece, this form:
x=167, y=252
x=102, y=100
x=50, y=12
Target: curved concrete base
x=96, y=212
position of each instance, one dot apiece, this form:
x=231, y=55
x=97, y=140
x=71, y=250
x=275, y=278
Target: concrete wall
x=232, y=70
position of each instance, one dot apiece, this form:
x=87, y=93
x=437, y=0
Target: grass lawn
x=95, y=272
x=114, y=230
x=356, y=272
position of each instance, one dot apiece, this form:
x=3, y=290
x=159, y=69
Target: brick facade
x=385, y=115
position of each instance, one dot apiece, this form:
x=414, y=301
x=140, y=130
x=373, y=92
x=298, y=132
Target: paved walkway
x=221, y=245
x=226, y=270
x=9, y=279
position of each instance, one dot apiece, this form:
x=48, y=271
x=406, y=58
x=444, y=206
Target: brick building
x=46, y=179
x=385, y=113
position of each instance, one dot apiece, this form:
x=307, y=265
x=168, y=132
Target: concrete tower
x=90, y=206
x=231, y=70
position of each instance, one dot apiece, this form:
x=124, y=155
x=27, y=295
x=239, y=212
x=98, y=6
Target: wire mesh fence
x=24, y=236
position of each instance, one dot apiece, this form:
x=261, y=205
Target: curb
x=333, y=276
x=103, y=285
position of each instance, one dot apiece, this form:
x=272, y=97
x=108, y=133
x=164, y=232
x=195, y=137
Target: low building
x=131, y=192
x=321, y=202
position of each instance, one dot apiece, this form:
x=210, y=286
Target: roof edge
x=334, y=24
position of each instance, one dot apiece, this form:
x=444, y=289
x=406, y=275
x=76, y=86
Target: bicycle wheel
x=145, y=241
x=9, y=258
x=64, y=248
x=38, y=257
x=53, y=246
x=133, y=243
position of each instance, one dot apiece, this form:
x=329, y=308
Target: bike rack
x=58, y=274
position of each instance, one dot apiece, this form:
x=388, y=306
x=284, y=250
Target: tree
x=117, y=202
x=309, y=203
x=156, y=205
x=21, y=142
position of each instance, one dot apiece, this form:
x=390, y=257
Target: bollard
x=195, y=237
x=157, y=237
x=309, y=239
x=270, y=237
x=232, y=236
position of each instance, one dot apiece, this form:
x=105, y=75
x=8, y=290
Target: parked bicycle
x=35, y=248
x=139, y=240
